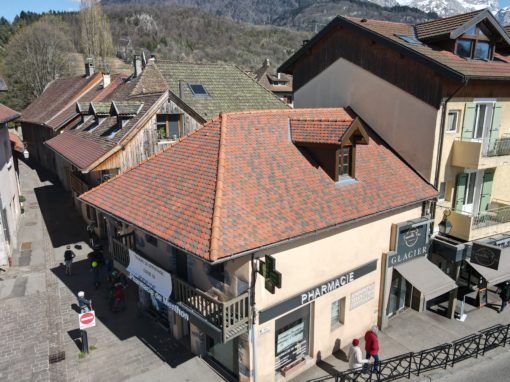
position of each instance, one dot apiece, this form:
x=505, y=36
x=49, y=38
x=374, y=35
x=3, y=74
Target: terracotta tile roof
x=239, y=183
x=7, y=114
x=319, y=131
x=79, y=151
x=57, y=98
x=443, y=27
x=16, y=142
x=228, y=87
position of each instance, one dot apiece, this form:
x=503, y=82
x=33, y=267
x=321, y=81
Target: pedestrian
x=84, y=304
x=504, y=293
x=68, y=259
x=118, y=298
x=94, y=268
x=372, y=346
x=355, y=357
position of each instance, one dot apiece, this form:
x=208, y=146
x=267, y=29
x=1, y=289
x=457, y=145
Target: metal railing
x=491, y=217
x=438, y=357
x=496, y=146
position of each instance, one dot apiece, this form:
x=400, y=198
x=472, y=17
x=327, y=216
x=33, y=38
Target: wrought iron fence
x=437, y=357
x=491, y=217
x=496, y=146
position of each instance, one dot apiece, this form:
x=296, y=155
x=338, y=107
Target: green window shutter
x=496, y=121
x=469, y=120
x=460, y=191
x=485, y=199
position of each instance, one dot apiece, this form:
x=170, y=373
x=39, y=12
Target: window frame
x=474, y=39
x=456, y=112
x=337, y=318
x=340, y=155
x=489, y=105
x=166, y=124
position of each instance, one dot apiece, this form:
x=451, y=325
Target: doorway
x=400, y=294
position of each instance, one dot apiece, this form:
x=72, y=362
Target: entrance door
x=400, y=294
x=227, y=354
x=468, y=191
x=469, y=195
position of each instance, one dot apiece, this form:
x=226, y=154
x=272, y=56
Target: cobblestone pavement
x=38, y=312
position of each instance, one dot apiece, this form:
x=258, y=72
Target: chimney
x=137, y=64
x=152, y=58
x=267, y=63
x=106, y=80
x=89, y=68
x=181, y=84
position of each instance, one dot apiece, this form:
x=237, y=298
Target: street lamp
x=444, y=225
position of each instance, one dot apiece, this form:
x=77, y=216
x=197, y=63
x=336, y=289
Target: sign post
x=86, y=320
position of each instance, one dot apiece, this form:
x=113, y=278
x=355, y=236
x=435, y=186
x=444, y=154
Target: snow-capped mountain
x=444, y=7
x=503, y=15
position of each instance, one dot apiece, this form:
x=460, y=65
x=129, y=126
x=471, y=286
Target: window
x=337, y=313
x=408, y=39
x=217, y=272
x=482, y=50
x=168, y=126
x=442, y=190
x=345, y=162
x=453, y=118
x=151, y=240
x=464, y=48
x=483, y=120
x=198, y=90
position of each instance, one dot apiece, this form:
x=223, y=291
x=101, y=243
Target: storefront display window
x=400, y=294
x=291, y=339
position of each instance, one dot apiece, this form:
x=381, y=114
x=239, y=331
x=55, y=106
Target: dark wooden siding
x=402, y=71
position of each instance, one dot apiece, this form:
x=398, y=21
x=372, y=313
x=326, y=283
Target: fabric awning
x=426, y=277
x=493, y=276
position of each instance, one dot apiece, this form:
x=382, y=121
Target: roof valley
x=215, y=223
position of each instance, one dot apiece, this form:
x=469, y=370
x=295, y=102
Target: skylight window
x=198, y=90
x=408, y=39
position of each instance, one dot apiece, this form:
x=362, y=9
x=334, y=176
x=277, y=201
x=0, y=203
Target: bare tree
x=96, y=38
x=37, y=55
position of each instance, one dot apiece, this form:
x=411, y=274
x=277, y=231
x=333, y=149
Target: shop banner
x=486, y=255
x=152, y=276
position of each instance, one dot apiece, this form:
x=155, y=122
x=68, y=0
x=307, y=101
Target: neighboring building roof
x=444, y=26
x=238, y=184
x=228, y=88
x=16, y=142
x=7, y=114
x=267, y=76
x=86, y=143
x=391, y=33
x=328, y=131
x=57, y=98
x=3, y=85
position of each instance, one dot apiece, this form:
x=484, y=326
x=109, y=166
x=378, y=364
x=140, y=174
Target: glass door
x=400, y=294
x=469, y=195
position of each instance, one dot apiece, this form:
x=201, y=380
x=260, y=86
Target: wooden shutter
x=496, y=122
x=469, y=120
x=460, y=191
x=485, y=199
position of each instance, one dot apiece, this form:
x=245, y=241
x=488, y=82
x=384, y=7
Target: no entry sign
x=87, y=320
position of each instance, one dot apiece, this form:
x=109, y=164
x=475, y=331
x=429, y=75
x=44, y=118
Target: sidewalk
x=412, y=332
x=38, y=310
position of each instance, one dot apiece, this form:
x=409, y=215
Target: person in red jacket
x=372, y=346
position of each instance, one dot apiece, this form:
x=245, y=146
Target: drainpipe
x=253, y=315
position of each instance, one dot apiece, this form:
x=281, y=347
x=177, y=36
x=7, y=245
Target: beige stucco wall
x=405, y=122
x=311, y=262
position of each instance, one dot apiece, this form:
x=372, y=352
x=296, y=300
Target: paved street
x=38, y=308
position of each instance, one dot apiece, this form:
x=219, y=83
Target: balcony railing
x=77, y=184
x=496, y=147
x=491, y=217
x=230, y=317
x=121, y=246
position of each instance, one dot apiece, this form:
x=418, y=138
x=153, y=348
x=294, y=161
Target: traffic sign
x=87, y=320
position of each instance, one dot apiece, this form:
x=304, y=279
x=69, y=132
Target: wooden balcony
x=77, y=184
x=231, y=317
x=228, y=318
x=481, y=154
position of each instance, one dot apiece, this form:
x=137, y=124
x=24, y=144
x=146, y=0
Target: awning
x=426, y=277
x=495, y=276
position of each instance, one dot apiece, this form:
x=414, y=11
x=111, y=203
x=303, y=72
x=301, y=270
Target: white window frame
x=456, y=112
x=487, y=127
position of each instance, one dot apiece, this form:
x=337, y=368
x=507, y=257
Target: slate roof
x=239, y=183
x=7, y=114
x=58, y=100
x=327, y=131
x=387, y=33
x=228, y=87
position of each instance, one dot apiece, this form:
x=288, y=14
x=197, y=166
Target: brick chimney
x=89, y=68
x=106, y=79
x=137, y=65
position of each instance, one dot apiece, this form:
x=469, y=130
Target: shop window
x=151, y=240
x=337, y=313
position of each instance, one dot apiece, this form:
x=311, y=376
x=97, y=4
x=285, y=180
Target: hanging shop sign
x=150, y=276
x=310, y=295
x=411, y=241
x=272, y=277
x=486, y=255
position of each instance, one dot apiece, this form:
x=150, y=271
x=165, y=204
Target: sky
x=10, y=8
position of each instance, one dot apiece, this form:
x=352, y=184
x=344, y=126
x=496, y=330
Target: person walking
x=355, y=357
x=68, y=259
x=84, y=304
x=504, y=293
x=372, y=346
x=94, y=267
